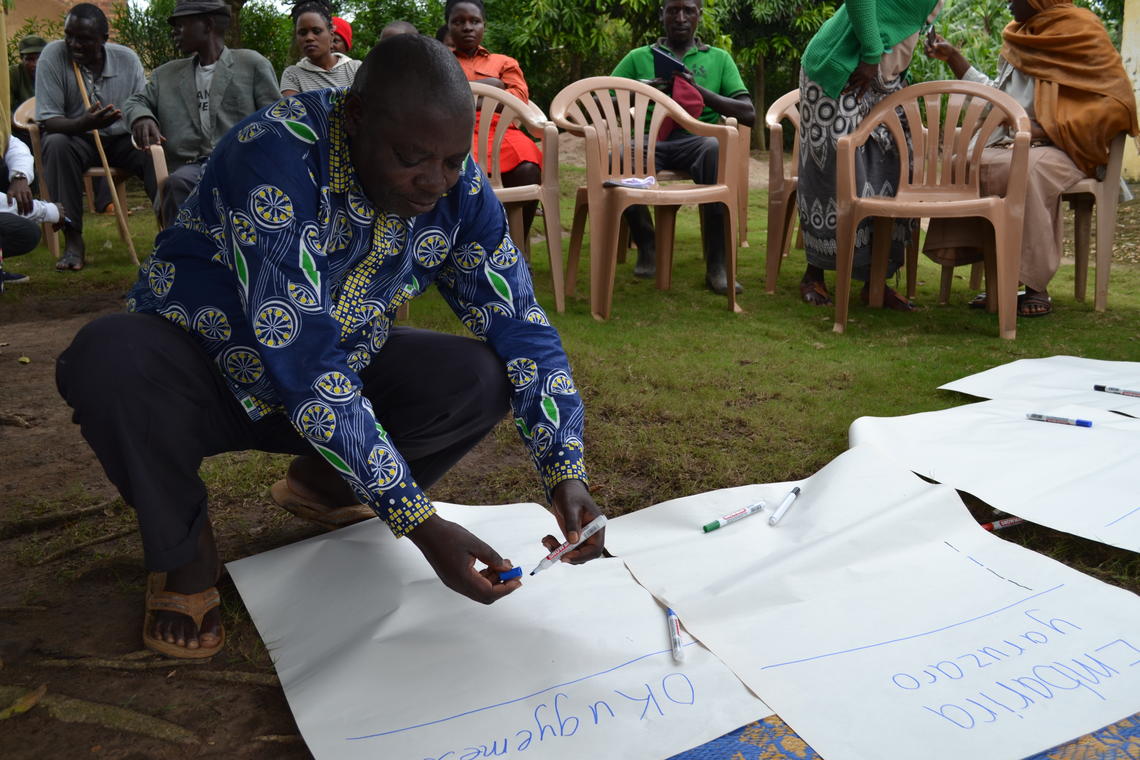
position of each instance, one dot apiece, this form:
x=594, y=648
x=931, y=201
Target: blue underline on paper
x=916, y=635
x=517, y=699
x=1126, y=514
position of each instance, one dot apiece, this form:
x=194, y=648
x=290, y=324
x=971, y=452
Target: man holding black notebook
x=711, y=74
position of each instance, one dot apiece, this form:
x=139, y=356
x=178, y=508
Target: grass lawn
x=683, y=396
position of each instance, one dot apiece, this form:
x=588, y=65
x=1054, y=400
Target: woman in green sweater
x=858, y=57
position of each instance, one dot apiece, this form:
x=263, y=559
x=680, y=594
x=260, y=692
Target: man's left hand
x=574, y=508
x=21, y=193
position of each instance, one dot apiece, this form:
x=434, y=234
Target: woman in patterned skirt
x=858, y=57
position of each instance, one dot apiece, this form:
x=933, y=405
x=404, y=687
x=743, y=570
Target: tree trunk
x=759, y=132
x=233, y=34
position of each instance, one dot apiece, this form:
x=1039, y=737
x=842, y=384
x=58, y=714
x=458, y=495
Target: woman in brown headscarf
x=1058, y=62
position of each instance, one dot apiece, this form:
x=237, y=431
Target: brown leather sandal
x=193, y=606
x=309, y=508
x=815, y=293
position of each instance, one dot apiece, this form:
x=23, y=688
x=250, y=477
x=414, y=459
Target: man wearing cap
x=110, y=74
x=188, y=104
x=22, y=75
x=342, y=35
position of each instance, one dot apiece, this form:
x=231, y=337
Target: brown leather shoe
x=314, y=491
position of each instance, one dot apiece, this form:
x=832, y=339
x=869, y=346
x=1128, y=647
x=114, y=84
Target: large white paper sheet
x=1078, y=480
x=379, y=660
x=882, y=623
x=1058, y=380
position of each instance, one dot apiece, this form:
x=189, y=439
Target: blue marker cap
x=1084, y=423
x=510, y=575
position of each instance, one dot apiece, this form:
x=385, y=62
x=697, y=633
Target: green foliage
x=561, y=41
x=975, y=27
x=143, y=27
x=269, y=31
x=369, y=17
x=47, y=28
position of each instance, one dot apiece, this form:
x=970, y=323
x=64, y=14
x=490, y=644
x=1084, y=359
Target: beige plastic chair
x=781, y=187
x=938, y=177
x=158, y=159
x=489, y=101
x=612, y=113
x=25, y=118
x=118, y=180
x=1105, y=195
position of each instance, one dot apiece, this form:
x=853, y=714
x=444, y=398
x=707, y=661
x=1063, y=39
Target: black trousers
x=66, y=157
x=152, y=404
x=698, y=156
x=17, y=234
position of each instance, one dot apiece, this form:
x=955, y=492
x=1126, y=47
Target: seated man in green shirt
x=713, y=72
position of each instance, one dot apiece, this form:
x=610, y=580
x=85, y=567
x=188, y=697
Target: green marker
x=739, y=514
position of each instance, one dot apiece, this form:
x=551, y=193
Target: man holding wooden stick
x=110, y=74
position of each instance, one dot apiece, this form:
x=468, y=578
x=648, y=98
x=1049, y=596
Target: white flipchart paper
x=379, y=660
x=1058, y=380
x=881, y=623
x=1084, y=481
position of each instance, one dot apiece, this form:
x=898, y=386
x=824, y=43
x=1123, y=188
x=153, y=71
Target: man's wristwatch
x=13, y=176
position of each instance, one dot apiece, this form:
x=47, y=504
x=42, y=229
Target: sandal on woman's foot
x=70, y=261
x=891, y=300
x=193, y=606
x=1035, y=304
x=979, y=301
x=815, y=293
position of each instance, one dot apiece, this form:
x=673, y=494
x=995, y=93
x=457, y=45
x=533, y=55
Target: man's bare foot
x=196, y=576
x=73, y=252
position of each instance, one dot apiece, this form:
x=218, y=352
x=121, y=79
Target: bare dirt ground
x=71, y=577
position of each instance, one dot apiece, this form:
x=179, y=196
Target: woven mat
x=771, y=739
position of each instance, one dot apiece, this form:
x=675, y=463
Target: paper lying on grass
x=379, y=660
x=1078, y=480
x=1059, y=380
x=880, y=622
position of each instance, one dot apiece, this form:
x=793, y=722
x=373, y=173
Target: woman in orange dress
x=520, y=158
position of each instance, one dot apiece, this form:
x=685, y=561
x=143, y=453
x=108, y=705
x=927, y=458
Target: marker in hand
x=1058, y=420
x=595, y=525
x=739, y=514
x=784, y=506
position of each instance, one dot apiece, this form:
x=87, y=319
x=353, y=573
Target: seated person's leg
x=179, y=184
x=526, y=173
x=698, y=156
x=642, y=234
x=65, y=158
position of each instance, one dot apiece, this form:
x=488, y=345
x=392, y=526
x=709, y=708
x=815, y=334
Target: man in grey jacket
x=188, y=104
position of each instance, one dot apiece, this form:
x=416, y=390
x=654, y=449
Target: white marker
x=595, y=525
x=784, y=506
x=675, y=635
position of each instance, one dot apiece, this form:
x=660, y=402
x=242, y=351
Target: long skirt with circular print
x=823, y=120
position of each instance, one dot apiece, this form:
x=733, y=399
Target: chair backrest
x=495, y=111
x=625, y=115
x=25, y=114
x=941, y=129
x=786, y=107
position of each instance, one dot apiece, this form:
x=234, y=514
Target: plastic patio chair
x=1104, y=195
x=24, y=118
x=950, y=122
x=781, y=187
x=488, y=102
x=612, y=114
